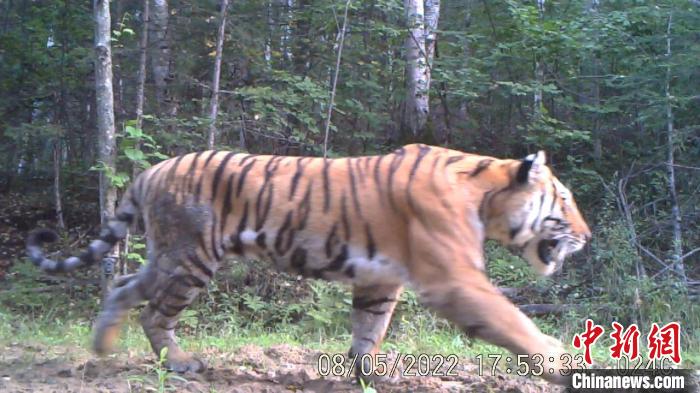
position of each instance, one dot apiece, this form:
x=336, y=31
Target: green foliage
x=138, y=147
x=162, y=374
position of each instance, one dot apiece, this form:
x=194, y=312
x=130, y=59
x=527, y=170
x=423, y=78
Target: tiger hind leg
x=372, y=307
x=129, y=292
x=174, y=292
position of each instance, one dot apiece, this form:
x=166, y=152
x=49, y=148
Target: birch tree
x=677, y=243
x=215, y=79
x=422, y=20
x=105, y=124
x=539, y=71
x=143, y=50
x=160, y=58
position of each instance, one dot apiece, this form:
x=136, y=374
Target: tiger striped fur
x=418, y=216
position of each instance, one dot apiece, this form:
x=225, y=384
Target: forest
x=94, y=93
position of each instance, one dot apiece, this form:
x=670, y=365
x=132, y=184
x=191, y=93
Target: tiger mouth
x=545, y=249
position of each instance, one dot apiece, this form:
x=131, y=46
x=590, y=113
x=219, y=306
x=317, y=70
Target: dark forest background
x=610, y=89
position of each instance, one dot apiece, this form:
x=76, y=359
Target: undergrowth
x=250, y=304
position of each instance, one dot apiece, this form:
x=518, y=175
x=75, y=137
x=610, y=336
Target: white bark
x=160, y=43
x=268, y=41
x=539, y=72
x=214, y=109
x=341, y=41
x=677, y=244
x=141, y=83
x=57, y=184
x=105, y=117
x=422, y=20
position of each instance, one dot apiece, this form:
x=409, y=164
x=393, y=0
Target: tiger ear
x=530, y=167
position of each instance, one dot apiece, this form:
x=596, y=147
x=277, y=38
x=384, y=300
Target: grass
x=257, y=307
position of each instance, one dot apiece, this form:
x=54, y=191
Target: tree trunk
x=160, y=59
x=539, y=72
x=415, y=111
x=214, y=111
x=341, y=42
x=422, y=20
x=677, y=244
x=268, y=40
x=57, y=184
x=105, y=125
x=141, y=82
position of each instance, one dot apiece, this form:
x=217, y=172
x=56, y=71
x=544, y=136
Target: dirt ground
x=32, y=368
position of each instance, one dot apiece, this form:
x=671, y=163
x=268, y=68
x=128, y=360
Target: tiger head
x=536, y=214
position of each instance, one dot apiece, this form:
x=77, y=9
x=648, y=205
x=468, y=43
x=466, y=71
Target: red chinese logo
x=626, y=341
x=588, y=338
x=665, y=341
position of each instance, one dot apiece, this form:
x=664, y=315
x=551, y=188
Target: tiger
x=416, y=217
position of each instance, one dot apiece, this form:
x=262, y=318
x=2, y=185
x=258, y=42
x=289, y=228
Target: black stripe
x=422, y=151
x=173, y=169
x=371, y=246
x=279, y=238
x=353, y=188
x=246, y=158
x=218, y=174
x=295, y=179
x=187, y=180
x=203, y=246
x=198, y=188
x=360, y=172
x=453, y=159
x=331, y=240
x=237, y=245
x=304, y=209
x=481, y=166
x=339, y=261
x=396, y=161
x=244, y=173
x=226, y=209
x=206, y=163
x=201, y=265
x=326, y=185
x=194, y=281
x=261, y=213
x=368, y=159
x=344, y=217
x=377, y=179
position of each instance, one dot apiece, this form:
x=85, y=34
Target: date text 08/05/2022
x=663, y=349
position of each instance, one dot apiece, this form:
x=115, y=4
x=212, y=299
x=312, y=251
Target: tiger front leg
x=450, y=281
x=372, y=307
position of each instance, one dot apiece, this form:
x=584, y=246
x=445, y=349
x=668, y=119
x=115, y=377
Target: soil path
x=33, y=368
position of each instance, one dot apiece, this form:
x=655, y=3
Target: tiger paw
x=185, y=363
